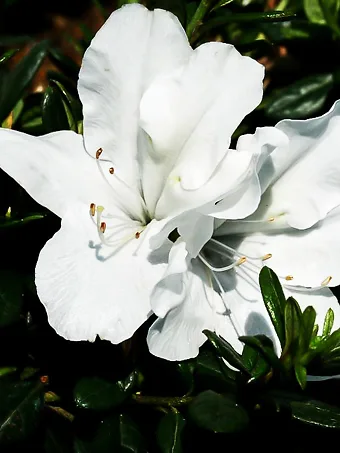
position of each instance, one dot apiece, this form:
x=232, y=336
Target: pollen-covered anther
x=111, y=170
x=103, y=227
x=289, y=278
x=267, y=256
x=326, y=281
x=241, y=261
x=92, y=209
x=137, y=235
x=99, y=152
x=271, y=219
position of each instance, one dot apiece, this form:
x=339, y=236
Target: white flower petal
x=132, y=48
x=89, y=289
x=178, y=335
x=191, y=114
x=303, y=178
x=54, y=169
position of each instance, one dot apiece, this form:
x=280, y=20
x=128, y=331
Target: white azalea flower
x=158, y=117
x=295, y=231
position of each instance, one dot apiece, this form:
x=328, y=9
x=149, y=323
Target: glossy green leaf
x=221, y=3
x=115, y=434
x=301, y=375
x=8, y=55
x=210, y=365
x=316, y=413
x=54, y=113
x=65, y=63
x=274, y=300
x=326, y=345
x=12, y=222
x=302, y=99
x=16, y=81
x=265, y=347
x=217, y=413
x=74, y=107
x=314, y=11
x=169, y=432
x=307, y=326
x=98, y=394
x=293, y=317
x=254, y=361
x=11, y=297
x=328, y=322
x=225, y=350
x=20, y=410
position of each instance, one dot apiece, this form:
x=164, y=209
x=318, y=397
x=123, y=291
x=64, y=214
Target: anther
x=103, y=227
x=267, y=256
x=289, y=277
x=99, y=152
x=92, y=209
x=111, y=170
x=137, y=235
x=241, y=261
x=326, y=281
x=271, y=219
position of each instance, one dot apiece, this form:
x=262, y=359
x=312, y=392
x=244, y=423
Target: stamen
x=271, y=219
x=111, y=170
x=326, y=281
x=99, y=152
x=267, y=256
x=102, y=227
x=137, y=235
x=92, y=209
x=289, y=277
x=225, y=268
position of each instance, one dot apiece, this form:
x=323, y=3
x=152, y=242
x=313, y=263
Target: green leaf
x=74, y=107
x=221, y=3
x=209, y=365
x=11, y=298
x=20, y=410
x=274, y=300
x=11, y=222
x=293, y=317
x=54, y=113
x=98, y=394
x=186, y=370
x=314, y=11
x=301, y=375
x=225, y=350
x=300, y=100
x=307, y=325
x=328, y=323
x=16, y=81
x=217, y=413
x=326, y=345
x=65, y=63
x=316, y=413
x=265, y=347
x=169, y=432
x=254, y=362
x=8, y=55
x=117, y=433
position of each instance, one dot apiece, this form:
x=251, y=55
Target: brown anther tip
x=241, y=260
x=137, y=235
x=103, y=227
x=111, y=170
x=267, y=256
x=99, y=152
x=92, y=209
x=289, y=277
x=44, y=379
x=271, y=219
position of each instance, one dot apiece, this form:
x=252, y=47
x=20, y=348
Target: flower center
x=116, y=230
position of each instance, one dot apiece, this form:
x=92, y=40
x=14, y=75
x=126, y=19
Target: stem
x=197, y=19
x=162, y=401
